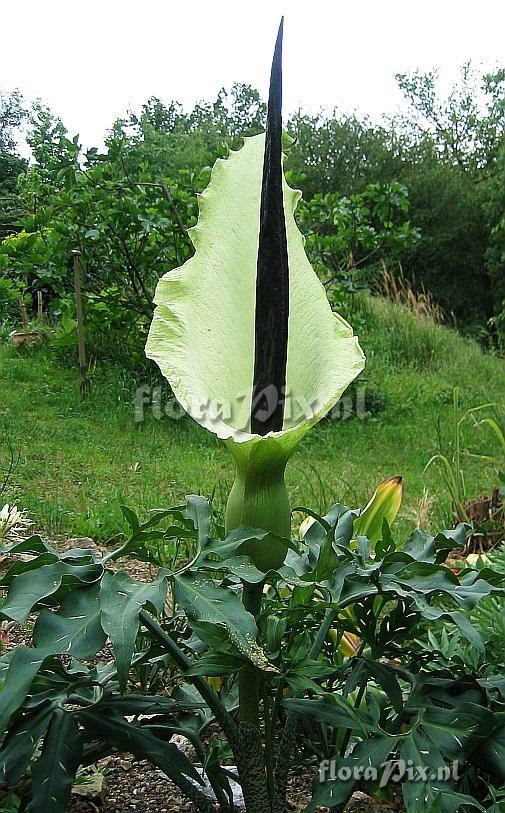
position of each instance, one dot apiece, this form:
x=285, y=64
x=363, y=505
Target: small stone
x=94, y=789
x=182, y=743
x=83, y=543
x=80, y=542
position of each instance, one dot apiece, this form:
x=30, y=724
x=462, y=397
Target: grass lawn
x=78, y=460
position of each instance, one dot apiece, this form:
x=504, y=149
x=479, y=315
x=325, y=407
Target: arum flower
x=348, y=644
x=384, y=505
x=12, y=523
x=244, y=333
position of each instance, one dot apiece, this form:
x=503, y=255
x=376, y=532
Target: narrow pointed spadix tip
x=278, y=41
x=275, y=90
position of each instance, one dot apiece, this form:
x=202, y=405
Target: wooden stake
x=24, y=315
x=80, y=322
x=40, y=314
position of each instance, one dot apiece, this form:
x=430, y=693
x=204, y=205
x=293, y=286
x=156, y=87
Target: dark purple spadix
x=272, y=279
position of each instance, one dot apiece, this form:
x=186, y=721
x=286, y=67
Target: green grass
x=79, y=460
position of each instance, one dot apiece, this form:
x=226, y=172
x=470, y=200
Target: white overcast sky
x=91, y=61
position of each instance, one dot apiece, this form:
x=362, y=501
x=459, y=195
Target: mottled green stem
x=269, y=721
x=249, y=710
x=258, y=499
x=291, y=725
x=251, y=769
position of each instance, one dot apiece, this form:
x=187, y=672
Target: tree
x=347, y=237
x=494, y=208
x=468, y=126
x=341, y=154
x=12, y=115
x=461, y=137
x=128, y=209
x=449, y=257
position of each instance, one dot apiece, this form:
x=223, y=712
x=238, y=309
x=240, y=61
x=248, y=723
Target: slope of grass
x=78, y=460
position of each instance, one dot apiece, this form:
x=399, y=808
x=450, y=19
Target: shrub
x=10, y=293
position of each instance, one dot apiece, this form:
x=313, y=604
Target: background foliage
x=422, y=192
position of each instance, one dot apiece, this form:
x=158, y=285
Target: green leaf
x=75, y=629
x=129, y=737
x=477, y=585
x=131, y=518
x=468, y=630
x=453, y=538
x=31, y=586
x=369, y=753
x=438, y=738
x=303, y=675
x=24, y=663
x=427, y=578
x=327, y=561
x=176, y=514
x=422, y=605
x=34, y=544
x=386, y=678
x=333, y=710
x=425, y=548
x=20, y=567
x=121, y=600
x=456, y=732
x=204, y=601
x=490, y=756
x=240, y=566
x=323, y=522
x=198, y=510
x=237, y=539
x=142, y=534
x=216, y=664
x=54, y=771
x=135, y=704
x=21, y=741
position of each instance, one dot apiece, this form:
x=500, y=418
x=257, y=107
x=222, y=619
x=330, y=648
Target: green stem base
x=259, y=499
